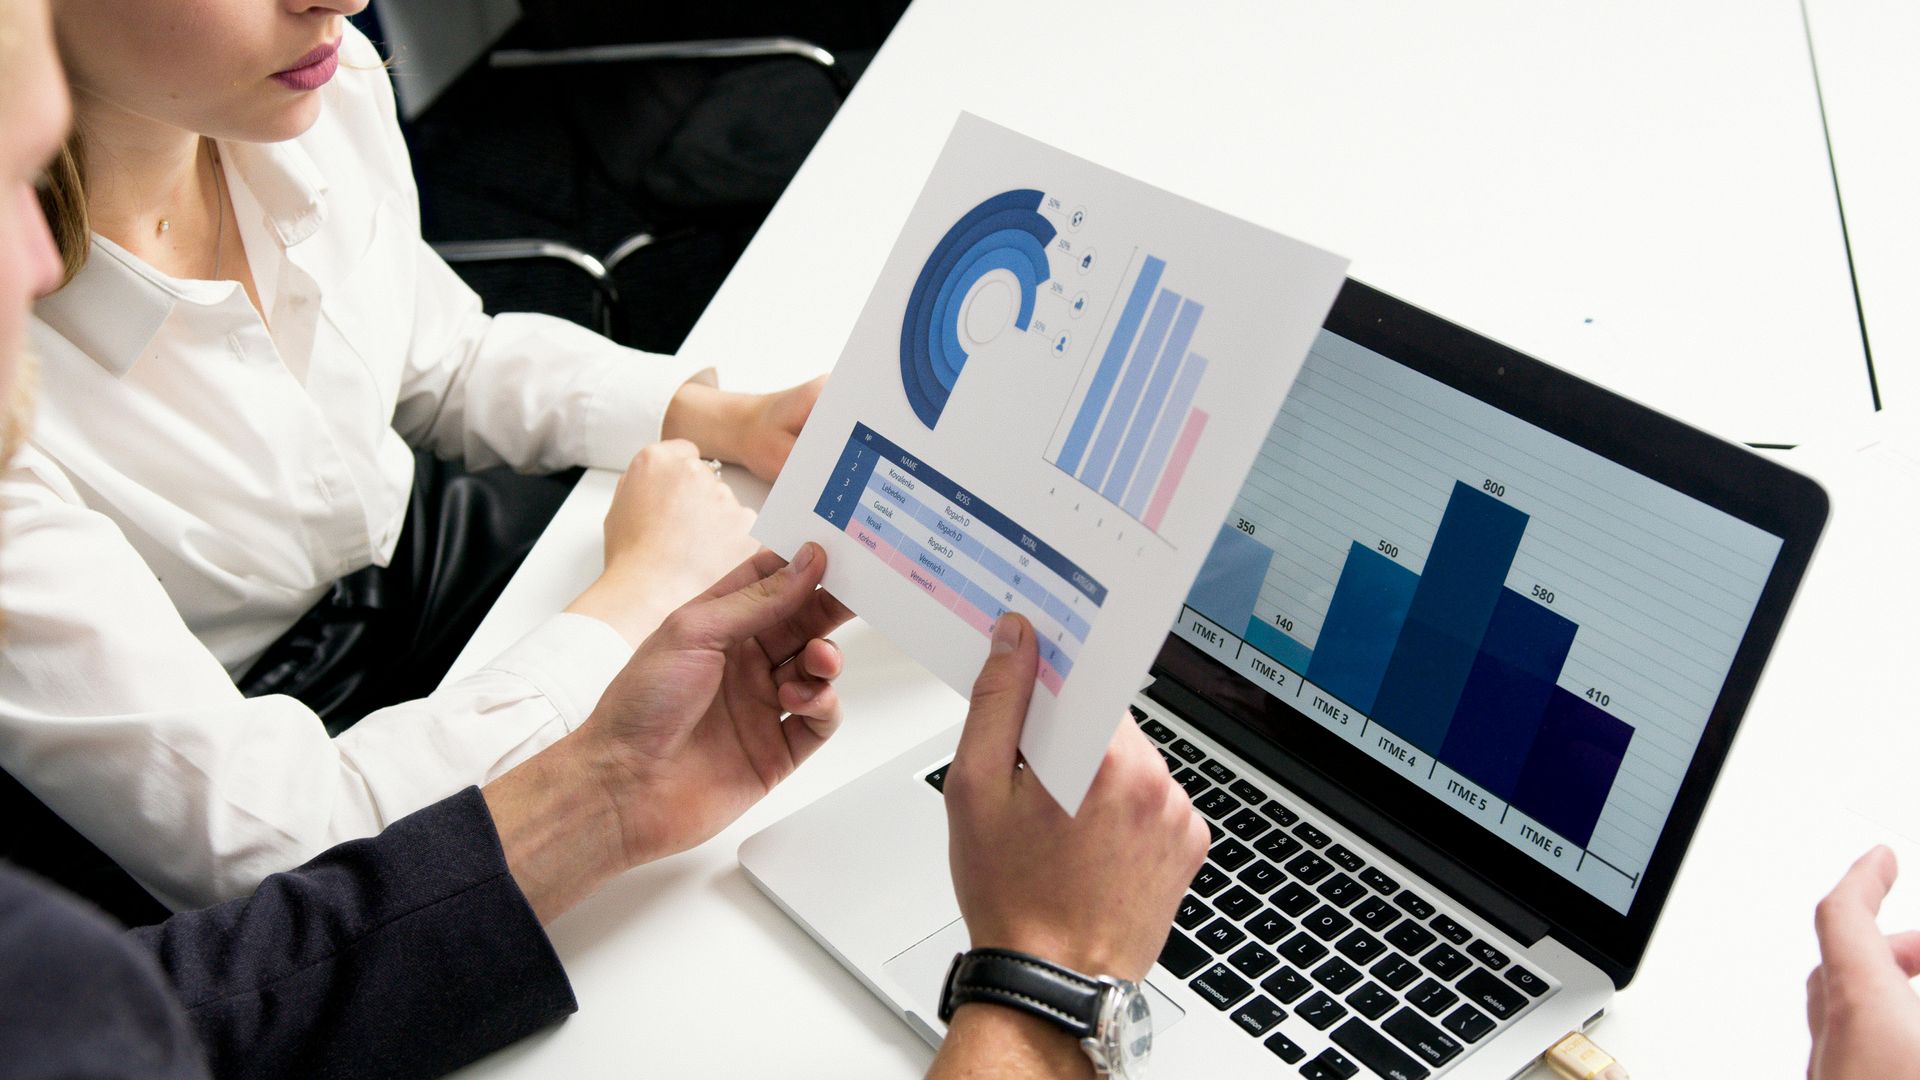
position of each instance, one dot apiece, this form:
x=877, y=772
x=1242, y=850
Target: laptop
x=1451, y=690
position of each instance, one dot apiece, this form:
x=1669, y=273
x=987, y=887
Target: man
x=416, y=951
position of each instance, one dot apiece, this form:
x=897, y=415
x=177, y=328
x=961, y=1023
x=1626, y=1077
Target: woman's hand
x=754, y=430
x=673, y=529
x=724, y=701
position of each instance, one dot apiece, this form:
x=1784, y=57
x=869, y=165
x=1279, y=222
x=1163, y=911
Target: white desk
x=1658, y=171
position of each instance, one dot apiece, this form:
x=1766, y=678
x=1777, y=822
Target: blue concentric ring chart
x=1046, y=406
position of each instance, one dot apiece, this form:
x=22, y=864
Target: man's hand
x=696, y=728
x=1861, y=1006
x=754, y=430
x=1094, y=892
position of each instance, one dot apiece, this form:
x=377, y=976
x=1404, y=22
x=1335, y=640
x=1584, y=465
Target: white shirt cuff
x=628, y=404
x=570, y=659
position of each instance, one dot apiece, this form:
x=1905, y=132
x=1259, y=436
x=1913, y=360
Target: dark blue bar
x=1463, y=579
x=1111, y=361
x=853, y=466
x=1572, y=765
x=1230, y=579
x=1506, y=695
x=1273, y=643
x=1369, y=607
x=846, y=485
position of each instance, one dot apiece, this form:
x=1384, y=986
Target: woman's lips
x=311, y=71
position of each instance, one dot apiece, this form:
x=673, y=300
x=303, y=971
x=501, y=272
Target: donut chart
x=1005, y=234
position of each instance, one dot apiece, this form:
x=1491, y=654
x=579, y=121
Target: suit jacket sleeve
x=407, y=954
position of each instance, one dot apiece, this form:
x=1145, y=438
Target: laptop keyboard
x=1308, y=947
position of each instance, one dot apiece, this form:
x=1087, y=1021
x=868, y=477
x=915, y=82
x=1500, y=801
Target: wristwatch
x=1109, y=1016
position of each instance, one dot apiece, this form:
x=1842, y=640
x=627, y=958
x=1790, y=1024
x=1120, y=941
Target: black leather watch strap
x=1023, y=982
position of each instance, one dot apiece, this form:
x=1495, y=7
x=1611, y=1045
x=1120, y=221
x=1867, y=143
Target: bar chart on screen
x=1131, y=426
x=1532, y=638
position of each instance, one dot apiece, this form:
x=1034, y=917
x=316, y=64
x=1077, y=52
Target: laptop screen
x=1531, y=636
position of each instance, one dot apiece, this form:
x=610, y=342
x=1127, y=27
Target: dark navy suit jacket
x=408, y=954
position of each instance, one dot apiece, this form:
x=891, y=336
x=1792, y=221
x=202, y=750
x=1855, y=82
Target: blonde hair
x=63, y=198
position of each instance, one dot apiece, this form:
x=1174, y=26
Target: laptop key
x=1314, y=837
x=1209, y=879
x=1192, y=912
x=1220, y=987
x=1284, y=1048
x=1445, y=962
x=1451, y=930
x=1188, y=752
x=1330, y=1065
x=1216, y=803
x=1431, y=998
x=1293, y=898
x=1302, y=949
x=1277, y=846
x=1309, y=867
x=1320, y=1010
x=1195, y=784
x=1375, y=914
x=1214, y=833
x=1260, y=876
x=1410, y=938
x=1336, y=975
x=938, y=778
x=1253, y=961
x=1230, y=854
x=1247, y=793
x=1468, y=1023
x=1361, y=947
x=1379, y=882
x=1485, y=989
x=1269, y=926
x=1248, y=825
x=1139, y=714
x=1157, y=731
x=1487, y=955
x=1346, y=859
x=1376, y=1053
x=1341, y=890
x=1281, y=815
x=1258, y=1016
x=1217, y=772
x=1286, y=984
x=1173, y=763
x=1396, y=971
x=1221, y=935
x=1428, y=1043
x=1236, y=902
x=1326, y=923
x=1181, y=956
x=1372, y=1001
x=1411, y=902
x=1526, y=980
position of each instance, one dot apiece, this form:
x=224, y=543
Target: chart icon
x=983, y=275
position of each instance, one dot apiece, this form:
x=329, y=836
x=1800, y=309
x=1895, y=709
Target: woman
x=251, y=339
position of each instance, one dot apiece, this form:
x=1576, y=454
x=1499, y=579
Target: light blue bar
x=881, y=528
x=1077, y=626
x=1172, y=418
x=997, y=566
x=991, y=606
x=1108, y=372
x=1145, y=351
x=1270, y=641
x=1053, y=654
x=1153, y=402
x=1029, y=588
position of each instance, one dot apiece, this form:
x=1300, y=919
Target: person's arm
x=1861, y=1006
x=1033, y=879
x=118, y=718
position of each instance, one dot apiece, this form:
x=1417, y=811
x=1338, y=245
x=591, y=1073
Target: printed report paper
x=1047, y=406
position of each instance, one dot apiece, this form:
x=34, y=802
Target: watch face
x=1127, y=1031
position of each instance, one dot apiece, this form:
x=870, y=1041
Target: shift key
x=1370, y=1048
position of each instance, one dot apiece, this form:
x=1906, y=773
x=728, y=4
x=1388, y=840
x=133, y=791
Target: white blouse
x=198, y=478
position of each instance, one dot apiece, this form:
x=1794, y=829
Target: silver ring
x=714, y=464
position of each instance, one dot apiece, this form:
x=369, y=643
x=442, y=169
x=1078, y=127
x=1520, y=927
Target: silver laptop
x=1451, y=689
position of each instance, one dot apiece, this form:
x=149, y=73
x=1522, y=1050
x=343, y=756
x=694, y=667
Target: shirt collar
x=115, y=305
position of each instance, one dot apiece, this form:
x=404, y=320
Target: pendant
x=164, y=226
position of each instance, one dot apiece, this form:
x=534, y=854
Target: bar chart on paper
x=1131, y=426
x=1540, y=657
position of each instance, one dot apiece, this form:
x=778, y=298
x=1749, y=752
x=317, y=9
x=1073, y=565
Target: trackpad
x=920, y=970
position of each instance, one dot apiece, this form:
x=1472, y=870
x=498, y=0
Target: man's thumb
x=990, y=742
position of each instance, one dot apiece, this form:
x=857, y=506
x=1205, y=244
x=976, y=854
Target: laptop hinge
x=1515, y=919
